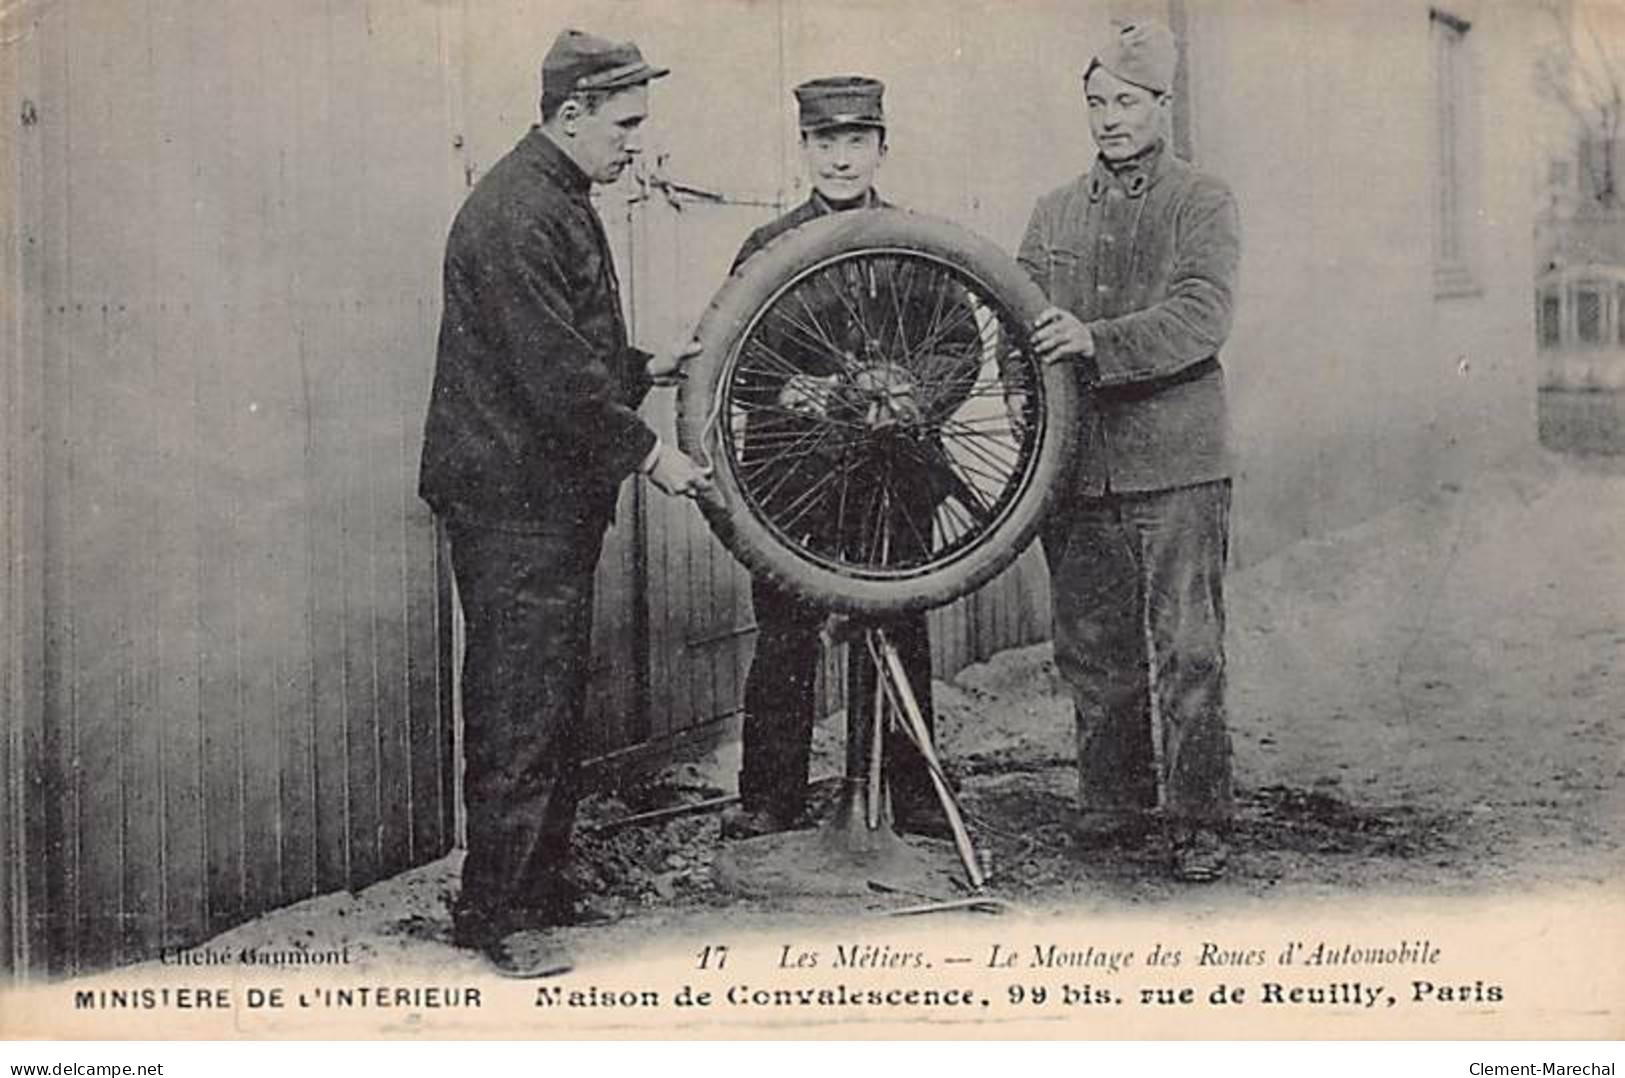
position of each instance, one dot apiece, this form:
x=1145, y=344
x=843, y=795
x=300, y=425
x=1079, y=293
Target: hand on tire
x=1059, y=335
x=676, y=474
x=667, y=368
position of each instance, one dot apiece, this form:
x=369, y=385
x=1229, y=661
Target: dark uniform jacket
x=532, y=424
x=1146, y=256
x=813, y=208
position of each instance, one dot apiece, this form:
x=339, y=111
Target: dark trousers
x=780, y=706
x=1137, y=582
x=527, y=605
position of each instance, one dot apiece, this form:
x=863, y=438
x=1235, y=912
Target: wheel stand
x=858, y=852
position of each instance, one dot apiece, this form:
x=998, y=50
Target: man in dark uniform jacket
x=1139, y=257
x=531, y=429
x=843, y=137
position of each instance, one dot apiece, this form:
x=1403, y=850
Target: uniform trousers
x=527, y=607
x=780, y=705
x=1137, y=585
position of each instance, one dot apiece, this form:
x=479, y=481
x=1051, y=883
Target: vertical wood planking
x=315, y=312
x=220, y=470
x=429, y=767
x=177, y=734
x=413, y=366
x=282, y=49
x=94, y=450
x=405, y=77
x=256, y=365
x=169, y=46
x=348, y=68
x=22, y=415
x=14, y=495
x=399, y=75
x=60, y=902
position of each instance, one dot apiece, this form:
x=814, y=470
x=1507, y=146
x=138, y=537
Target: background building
x=227, y=679
x=1580, y=203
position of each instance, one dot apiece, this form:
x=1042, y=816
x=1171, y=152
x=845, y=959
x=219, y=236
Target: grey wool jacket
x=1146, y=255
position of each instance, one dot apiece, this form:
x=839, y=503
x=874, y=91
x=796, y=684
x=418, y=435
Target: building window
x=1456, y=168
x=1599, y=169
x=1551, y=321
x=1588, y=316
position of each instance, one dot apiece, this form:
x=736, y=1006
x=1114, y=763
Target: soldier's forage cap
x=582, y=61
x=1143, y=53
x=841, y=101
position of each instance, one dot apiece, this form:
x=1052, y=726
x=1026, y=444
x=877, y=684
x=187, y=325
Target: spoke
x=994, y=390
x=764, y=500
x=964, y=311
x=945, y=393
x=1004, y=468
x=982, y=421
x=938, y=296
x=789, y=455
x=807, y=500
x=968, y=471
x=840, y=509
x=956, y=517
x=834, y=349
x=836, y=273
x=985, y=451
x=991, y=428
x=898, y=306
x=928, y=456
x=925, y=540
x=810, y=440
x=994, y=436
x=795, y=467
x=780, y=410
x=960, y=486
x=775, y=362
x=810, y=337
x=882, y=489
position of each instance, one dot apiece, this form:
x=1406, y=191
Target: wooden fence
x=227, y=676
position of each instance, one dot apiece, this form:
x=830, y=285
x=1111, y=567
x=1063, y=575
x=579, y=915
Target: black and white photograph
x=723, y=519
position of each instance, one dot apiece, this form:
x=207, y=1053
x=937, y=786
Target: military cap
x=1143, y=53
x=581, y=61
x=841, y=101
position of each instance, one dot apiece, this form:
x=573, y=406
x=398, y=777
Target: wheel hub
x=887, y=395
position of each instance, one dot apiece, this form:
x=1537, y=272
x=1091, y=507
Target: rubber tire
x=738, y=302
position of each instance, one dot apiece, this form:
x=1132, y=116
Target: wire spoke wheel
x=882, y=436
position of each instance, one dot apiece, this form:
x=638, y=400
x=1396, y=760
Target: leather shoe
x=1200, y=854
x=527, y=953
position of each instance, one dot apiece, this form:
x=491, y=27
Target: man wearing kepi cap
x=1139, y=258
x=843, y=141
x=532, y=427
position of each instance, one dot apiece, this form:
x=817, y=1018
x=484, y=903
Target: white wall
x=1353, y=386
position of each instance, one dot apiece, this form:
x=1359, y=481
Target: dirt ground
x=1430, y=703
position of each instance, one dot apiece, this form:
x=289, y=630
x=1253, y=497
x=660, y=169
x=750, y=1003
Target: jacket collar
x=818, y=205
x=543, y=154
x=1134, y=178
